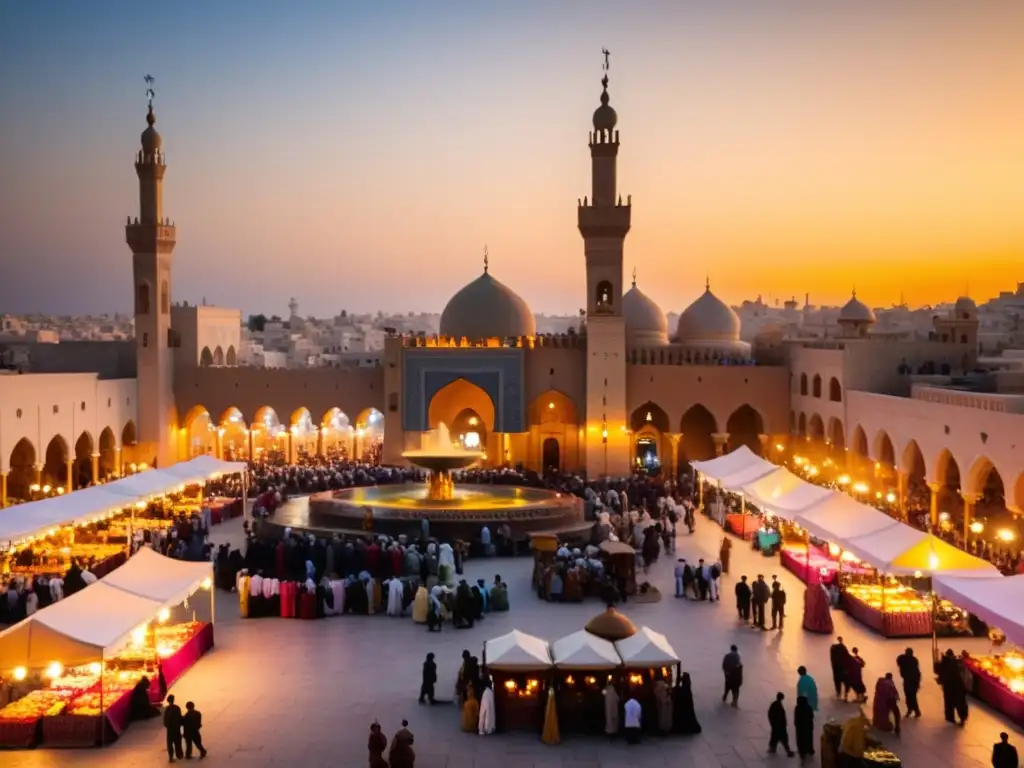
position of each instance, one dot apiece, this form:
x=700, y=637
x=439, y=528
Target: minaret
x=604, y=221
x=152, y=237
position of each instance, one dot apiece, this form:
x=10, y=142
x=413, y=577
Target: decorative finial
x=150, y=95
x=707, y=282
x=607, y=56
x=487, y=260
x=855, y=291
x=634, y=277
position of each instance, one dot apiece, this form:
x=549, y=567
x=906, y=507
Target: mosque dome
x=605, y=117
x=965, y=308
x=487, y=308
x=151, y=140
x=856, y=311
x=708, y=319
x=611, y=625
x=645, y=322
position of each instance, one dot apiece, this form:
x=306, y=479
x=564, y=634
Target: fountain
x=441, y=458
x=450, y=510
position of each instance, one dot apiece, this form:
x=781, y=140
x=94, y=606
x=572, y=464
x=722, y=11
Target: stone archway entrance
x=551, y=458
x=462, y=404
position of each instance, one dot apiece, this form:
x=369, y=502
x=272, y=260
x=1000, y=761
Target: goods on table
x=1008, y=668
x=37, y=704
x=167, y=641
x=898, y=598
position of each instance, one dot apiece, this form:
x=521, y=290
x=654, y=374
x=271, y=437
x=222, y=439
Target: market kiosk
x=584, y=663
x=620, y=564
x=519, y=665
x=647, y=658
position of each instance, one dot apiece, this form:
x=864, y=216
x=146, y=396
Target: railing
x=981, y=401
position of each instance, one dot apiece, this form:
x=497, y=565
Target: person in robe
x=854, y=676
x=838, y=654
x=633, y=720
x=396, y=593
x=402, y=736
x=499, y=595
x=470, y=712
x=402, y=755
x=485, y=723
x=611, y=710
x=446, y=565
x=803, y=723
x=954, y=692
x=420, y=605
x=435, y=611
x=463, y=616
x=684, y=717
x=910, y=671
x=743, y=599
x=817, y=614
x=854, y=741
x=663, y=701
x=779, y=725
x=886, y=705
x=141, y=708
x=732, y=670
x=485, y=594
x=724, y=553
x=806, y=687
x=428, y=680
x=376, y=745
x=462, y=680
x=477, y=602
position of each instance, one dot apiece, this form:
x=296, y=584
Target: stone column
x=901, y=493
x=37, y=472
x=765, y=448
x=290, y=458
x=3, y=490
x=970, y=499
x=933, y=513
x=249, y=440
x=218, y=443
x=721, y=440
x=95, y=469
x=118, y=458
x=677, y=440
x=69, y=484
x=320, y=440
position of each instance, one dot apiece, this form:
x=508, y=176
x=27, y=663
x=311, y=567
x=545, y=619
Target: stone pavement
x=277, y=692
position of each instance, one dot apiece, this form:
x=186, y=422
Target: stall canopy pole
x=213, y=603
x=700, y=491
x=935, y=636
x=881, y=582
x=245, y=495
x=807, y=554
x=103, y=672
x=743, y=517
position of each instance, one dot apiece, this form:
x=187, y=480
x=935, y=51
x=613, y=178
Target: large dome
x=856, y=311
x=645, y=322
x=708, y=319
x=487, y=308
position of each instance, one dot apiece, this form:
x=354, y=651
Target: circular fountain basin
x=399, y=509
x=443, y=462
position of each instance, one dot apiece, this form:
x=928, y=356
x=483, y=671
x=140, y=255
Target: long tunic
x=611, y=711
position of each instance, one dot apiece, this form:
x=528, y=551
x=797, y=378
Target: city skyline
x=362, y=159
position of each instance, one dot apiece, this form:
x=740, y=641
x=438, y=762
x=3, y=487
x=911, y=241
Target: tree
x=257, y=322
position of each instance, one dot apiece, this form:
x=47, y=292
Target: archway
x=836, y=434
x=947, y=475
x=370, y=435
x=697, y=425
x=1018, y=494
x=206, y=358
x=338, y=433
x=553, y=415
x=651, y=428
x=234, y=435
x=604, y=296
x=859, y=442
x=803, y=383
x=835, y=390
x=218, y=356
x=81, y=473
x=984, y=479
x=816, y=428
x=269, y=437
x=304, y=433
x=453, y=398
x=199, y=432
x=913, y=465
x=231, y=358
x=884, y=452
x=128, y=435
x=551, y=459
x=55, y=464
x=468, y=431
x=22, y=474
x=801, y=425
x=108, y=453
x=817, y=385
x=744, y=427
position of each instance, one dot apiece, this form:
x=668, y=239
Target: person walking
x=429, y=680
x=778, y=598
x=172, y=725
x=807, y=688
x=779, y=724
x=910, y=672
x=803, y=722
x=1004, y=754
x=732, y=669
x=838, y=655
x=679, y=572
x=760, y=595
x=191, y=723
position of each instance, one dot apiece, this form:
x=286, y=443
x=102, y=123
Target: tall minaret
x=151, y=237
x=604, y=222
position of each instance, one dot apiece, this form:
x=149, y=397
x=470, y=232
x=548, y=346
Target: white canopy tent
x=646, y=648
x=145, y=485
x=998, y=601
x=838, y=517
x=582, y=650
x=783, y=494
x=203, y=468
x=517, y=650
x=156, y=577
x=741, y=460
x=78, y=630
x=24, y=520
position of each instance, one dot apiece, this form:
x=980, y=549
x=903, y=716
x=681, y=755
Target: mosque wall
x=285, y=390
x=208, y=335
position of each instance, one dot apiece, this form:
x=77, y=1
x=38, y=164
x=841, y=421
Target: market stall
x=584, y=663
x=737, y=467
x=647, y=658
x=620, y=565
x=520, y=665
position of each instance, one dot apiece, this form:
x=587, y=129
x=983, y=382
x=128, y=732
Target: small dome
x=151, y=140
x=605, y=117
x=708, y=319
x=645, y=322
x=965, y=308
x=487, y=308
x=611, y=625
x=856, y=311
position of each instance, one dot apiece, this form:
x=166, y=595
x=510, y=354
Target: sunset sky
x=360, y=155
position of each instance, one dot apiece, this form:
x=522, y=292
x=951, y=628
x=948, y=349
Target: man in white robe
x=396, y=591
x=486, y=720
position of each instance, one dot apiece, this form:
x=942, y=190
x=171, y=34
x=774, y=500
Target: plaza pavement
x=292, y=693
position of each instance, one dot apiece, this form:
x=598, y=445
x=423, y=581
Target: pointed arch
x=983, y=478
x=803, y=383
x=129, y=436
x=108, y=453
x=22, y=470
x=884, y=453
x=553, y=407
x=835, y=390
x=267, y=432
x=206, y=358
x=698, y=425
x=650, y=414
x=1016, y=501
x=81, y=474
x=231, y=358
x=370, y=429
x=336, y=419
x=199, y=431
x=816, y=428
x=55, y=462
x=912, y=462
x=218, y=356
x=859, y=442
x=836, y=433
x=468, y=431
x=801, y=425
x=234, y=434
x=947, y=470
x=816, y=386
x=651, y=440
x=745, y=425
x=449, y=401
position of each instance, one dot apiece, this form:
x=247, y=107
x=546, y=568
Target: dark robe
x=803, y=722
x=684, y=718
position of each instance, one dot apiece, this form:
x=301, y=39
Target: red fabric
x=72, y=730
x=734, y=524
x=995, y=694
x=182, y=660
x=889, y=624
x=795, y=561
x=288, y=595
x=307, y=605
x=817, y=613
x=19, y=734
x=373, y=559
x=397, y=561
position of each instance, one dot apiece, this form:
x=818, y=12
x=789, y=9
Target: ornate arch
x=979, y=474
x=698, y=424
x=912, y=461
x=745, y=425
x=452, y=399
x=553, y=407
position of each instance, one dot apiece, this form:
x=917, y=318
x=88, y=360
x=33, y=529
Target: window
x=817, y=385
x=142, y=299
x=803, y=383
x=835, y=390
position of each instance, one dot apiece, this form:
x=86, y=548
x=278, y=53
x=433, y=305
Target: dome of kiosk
x=645, y=322
x=856, y=311
x=708, y=319
x=611, y=625
x=487, y=308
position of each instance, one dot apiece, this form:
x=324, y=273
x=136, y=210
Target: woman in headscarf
x=395, y=594
x=803, y=722
x=435, y=611
x=611, y=710
x=724, y=553
x=421, y=605
x=663, y=699
x=854, y=672
x=446, y=565
x=684, y=718
x=854, y=741
x=817, y=615
x=886, y=705
x=485, y=724
x=376, y=744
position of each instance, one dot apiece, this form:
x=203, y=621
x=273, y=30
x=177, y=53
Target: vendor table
x=173, y=667
x=904, y=624
x=989, y=689
x=795, y=560
x=19, y=734
x=223, y=508
x=734, y=525
x=768, y=539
